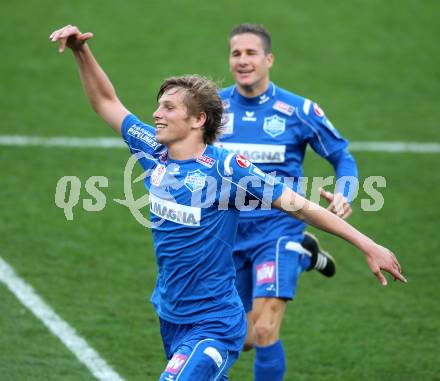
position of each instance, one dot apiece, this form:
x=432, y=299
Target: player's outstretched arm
x=378, y=258
x=97, y=86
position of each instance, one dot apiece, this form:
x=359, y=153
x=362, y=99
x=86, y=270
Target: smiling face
x=249, y=64
x=171, y=117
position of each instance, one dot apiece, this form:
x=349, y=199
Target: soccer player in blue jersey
x=196, y=191
x=272, y=128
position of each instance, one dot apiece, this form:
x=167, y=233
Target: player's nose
x=157, y=114
x=243, y=60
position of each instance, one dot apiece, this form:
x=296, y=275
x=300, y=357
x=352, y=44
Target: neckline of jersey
x=171, y=160
x=254, y=101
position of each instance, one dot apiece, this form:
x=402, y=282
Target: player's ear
x=199, y=120
x=270, y=60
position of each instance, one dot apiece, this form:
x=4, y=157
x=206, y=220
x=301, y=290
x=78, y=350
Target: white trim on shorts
x=192, y=352
x=277, y=292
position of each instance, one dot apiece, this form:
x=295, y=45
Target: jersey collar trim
x=263, y=98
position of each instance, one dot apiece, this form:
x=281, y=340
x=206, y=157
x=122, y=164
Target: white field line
x=76, y=344
x=395, y=147
x=62, y=141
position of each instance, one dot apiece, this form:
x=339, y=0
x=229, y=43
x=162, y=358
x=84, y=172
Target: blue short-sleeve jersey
x=194, y=208
x=274, y=129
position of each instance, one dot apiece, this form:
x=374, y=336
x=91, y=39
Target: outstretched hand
x=338, y=204
x=71, y=37
x=380, y=258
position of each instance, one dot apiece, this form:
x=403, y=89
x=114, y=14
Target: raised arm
x=97, y=86
x=378, y=258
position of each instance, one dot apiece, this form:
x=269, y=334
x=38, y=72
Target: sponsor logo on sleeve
x=206, y=161
x=329, y=124
x=265, y=273
x=158, y=174
x=176, y=363
x=274, y=125
x=227, y=123
x=270, y=180
x=177, y=213
x=331, y=127
x=242, y=161
x=254, y=170
x=143, y=135
x=318, y=110
x=195, y=180
x=284, y=108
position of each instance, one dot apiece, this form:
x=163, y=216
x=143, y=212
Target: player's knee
x=264, y=333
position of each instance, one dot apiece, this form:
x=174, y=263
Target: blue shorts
x=202, y=351
x=268, y=258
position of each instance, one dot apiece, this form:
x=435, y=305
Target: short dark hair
x=258, y=30
x=201, y=95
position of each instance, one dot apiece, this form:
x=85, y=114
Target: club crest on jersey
x=227, y=123
x=284, y=108
x=274, y=125
x=242, y=161
x=176, y=363
x=195, y=180
x=265, y=273
x=318, y=110
x=206, y=161
x=226, y=104
x=158, y=174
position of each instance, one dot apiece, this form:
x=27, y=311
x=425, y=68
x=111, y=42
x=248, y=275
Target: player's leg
x=268, y=314
x=203, y=351
x=320, y=259
x=276, y=269
x=205, y=360
x=243, y=283
x=249, y=342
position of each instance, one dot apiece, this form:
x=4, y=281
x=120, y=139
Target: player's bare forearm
x=99, y=89
x=315, y=215
x=378, y=258
x=97, y=86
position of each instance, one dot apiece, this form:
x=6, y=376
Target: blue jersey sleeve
x=141, y=139
x=248, y=182
x=318, y=131
x=346, y=171
x=140, y=136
